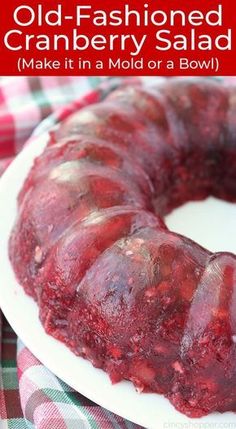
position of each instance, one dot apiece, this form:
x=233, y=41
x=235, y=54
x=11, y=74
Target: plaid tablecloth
x=30, y=395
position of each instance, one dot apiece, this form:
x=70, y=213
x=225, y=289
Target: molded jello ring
x=89, y=244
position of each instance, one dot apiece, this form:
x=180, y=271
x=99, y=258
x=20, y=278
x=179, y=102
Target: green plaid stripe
x=11, y=415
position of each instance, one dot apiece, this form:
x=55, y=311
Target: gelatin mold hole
x=210, y=222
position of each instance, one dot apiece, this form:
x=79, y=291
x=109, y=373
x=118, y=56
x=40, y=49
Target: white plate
x=150, y=410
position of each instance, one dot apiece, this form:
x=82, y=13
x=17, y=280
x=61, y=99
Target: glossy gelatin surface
x=90, y=246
